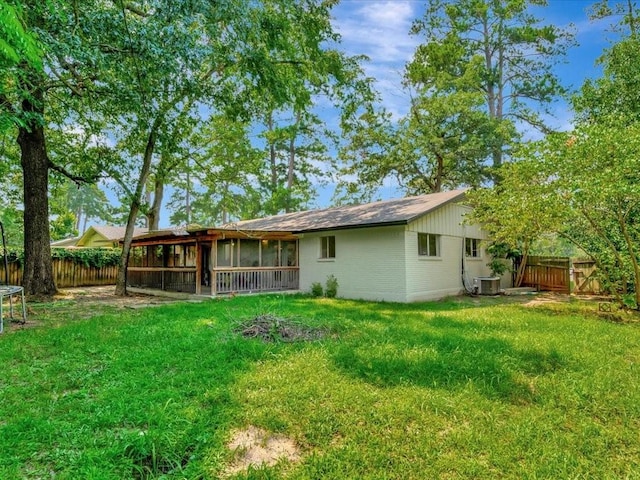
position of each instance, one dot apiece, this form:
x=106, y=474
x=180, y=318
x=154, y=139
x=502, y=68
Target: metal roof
x=386, y=212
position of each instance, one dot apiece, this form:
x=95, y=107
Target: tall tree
x=11, y=206
x=220, y=183
x=69, y=36
x=441, y=143
x=483, y=71
x=499, y=44
x=297, y=151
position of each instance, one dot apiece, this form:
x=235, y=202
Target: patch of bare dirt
x=81, y=302
x=106, y=295
x=547, y=298
x=255, y=447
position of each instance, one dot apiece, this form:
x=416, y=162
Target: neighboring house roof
x=103, y=235
x=387, y=212
x=65, y=242
x=163, y=233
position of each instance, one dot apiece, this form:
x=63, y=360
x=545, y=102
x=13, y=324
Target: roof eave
x=394, y=223
x=457, y=198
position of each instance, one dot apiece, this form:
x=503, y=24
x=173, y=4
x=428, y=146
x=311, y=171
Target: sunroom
x=214, y=261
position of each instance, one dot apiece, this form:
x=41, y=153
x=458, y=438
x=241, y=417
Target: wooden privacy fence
x=68, y=273
x=550, y=274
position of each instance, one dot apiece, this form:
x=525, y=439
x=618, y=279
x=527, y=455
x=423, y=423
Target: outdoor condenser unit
x=486, y=285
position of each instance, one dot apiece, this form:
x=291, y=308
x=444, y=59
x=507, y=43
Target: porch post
x=213, y=260
x=198, y=268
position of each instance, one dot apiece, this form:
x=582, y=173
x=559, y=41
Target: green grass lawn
x=456, y=389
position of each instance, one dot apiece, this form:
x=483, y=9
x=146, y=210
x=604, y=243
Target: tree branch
x=133, y=9
x=78, y=180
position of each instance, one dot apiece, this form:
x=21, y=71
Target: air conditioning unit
x=486, y=285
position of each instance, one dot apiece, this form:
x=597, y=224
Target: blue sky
x=379, y=29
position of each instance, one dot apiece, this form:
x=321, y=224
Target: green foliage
x=316, y=289
x=442, y=143
x=494, y=47
x=483, y=67
x=90, y=257
x=554, y=245
x=17, y=45
x=582, y=185
x=518, y=210
x=220, y=177
x=331, y=287
x=499, y=252
x=12, y=221
x=63, y=226
x=392, y=395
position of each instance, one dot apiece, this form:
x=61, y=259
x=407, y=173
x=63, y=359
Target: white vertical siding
x=448, y=220
x=431, y=278
x=369, y=263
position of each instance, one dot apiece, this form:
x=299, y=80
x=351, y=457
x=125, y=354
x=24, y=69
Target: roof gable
x=386, y=212
x=105, y=233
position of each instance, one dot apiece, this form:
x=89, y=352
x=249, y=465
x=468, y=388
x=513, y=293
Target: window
x=290, y=253
x=269, y=253
x=249, y=253
x=328, y=247
x=190, y=255
x=428, y=245
x=224, y=253
x=472, y=247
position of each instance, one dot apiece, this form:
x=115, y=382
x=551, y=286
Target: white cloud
x=92, y=140
x=379, y=30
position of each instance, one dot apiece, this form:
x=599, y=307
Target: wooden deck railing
x=245, y=280
x=172, y=279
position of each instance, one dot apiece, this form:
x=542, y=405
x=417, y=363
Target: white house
x=404, y=250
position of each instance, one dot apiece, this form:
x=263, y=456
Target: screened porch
x=211, y=262
x=251, y=265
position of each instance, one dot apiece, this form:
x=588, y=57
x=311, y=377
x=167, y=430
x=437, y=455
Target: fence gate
x=550, y=274
x=585, y=277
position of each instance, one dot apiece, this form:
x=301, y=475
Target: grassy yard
x=459, y=389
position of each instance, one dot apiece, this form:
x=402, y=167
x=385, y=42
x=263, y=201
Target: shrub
x=89, y=257
x=331, y=288
x=316, y=289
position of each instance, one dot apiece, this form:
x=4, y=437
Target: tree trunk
x=521, y=268
x=632, y=254
x=153, y=217
x=121, y=281
x=437, y=182
x=38, y=267
x=187, y=196
x=290, y=171
x=272, y=157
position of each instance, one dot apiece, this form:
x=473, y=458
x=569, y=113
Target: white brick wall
x=369, y=263
x=382, y=263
